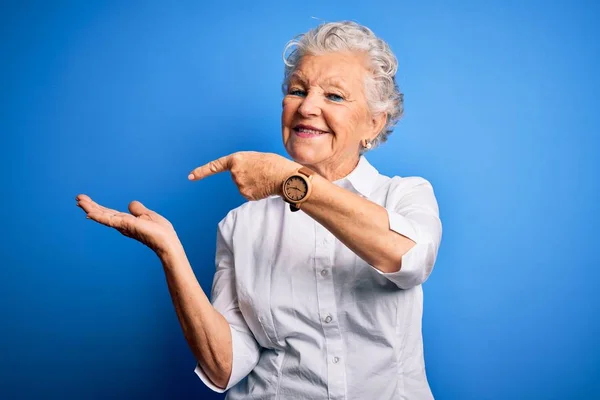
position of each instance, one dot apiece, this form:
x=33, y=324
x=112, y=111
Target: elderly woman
x=317, y=291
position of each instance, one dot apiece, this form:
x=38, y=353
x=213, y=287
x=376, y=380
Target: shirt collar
x=362, y=178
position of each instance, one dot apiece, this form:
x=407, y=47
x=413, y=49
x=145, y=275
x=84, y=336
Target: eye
x=335, y=97
x=297, y=92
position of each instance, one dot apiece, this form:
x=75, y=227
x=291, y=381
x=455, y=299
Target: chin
x=304, y=155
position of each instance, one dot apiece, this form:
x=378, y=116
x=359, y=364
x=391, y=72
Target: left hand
x=257, y=175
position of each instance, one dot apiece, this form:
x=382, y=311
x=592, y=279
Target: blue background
x=121, y=100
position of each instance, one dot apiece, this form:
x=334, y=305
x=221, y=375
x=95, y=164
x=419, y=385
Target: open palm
x=143, y=224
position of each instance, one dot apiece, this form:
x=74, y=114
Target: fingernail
x=191, y=177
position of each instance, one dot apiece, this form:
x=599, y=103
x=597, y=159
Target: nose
x=310, y=105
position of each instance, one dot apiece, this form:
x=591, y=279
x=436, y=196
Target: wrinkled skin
x=257, y=175
x=143, y=224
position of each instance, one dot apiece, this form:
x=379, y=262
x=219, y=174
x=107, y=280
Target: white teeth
x=310, y=131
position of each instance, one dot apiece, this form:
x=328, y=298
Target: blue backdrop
x=121, y=100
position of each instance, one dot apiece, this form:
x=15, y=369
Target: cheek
x=287, y=117
x=288, y=111
x=343, y=121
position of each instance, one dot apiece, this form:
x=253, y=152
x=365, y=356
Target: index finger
x=214, y=167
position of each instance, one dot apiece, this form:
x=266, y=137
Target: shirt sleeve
x=413, y=212
x=246, y=350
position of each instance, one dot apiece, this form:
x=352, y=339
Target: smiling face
x=325, y=114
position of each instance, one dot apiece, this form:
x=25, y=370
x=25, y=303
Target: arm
x=217, y=334
x=360, y=224
x=400, y=240
x=227, y=351
x=205, y=329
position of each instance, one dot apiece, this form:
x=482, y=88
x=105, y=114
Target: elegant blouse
x=310, y=319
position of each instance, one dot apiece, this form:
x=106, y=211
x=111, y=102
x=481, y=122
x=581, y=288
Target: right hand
x=143, y=224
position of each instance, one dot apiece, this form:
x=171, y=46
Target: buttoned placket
x=324, y=257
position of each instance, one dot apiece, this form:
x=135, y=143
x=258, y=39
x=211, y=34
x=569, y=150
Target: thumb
x=136, y=208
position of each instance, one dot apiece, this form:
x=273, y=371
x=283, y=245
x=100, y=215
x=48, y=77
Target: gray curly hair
x=383, y=94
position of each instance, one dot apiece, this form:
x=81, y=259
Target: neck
x=332, y=171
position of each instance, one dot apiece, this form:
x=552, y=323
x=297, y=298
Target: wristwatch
x=297, y=187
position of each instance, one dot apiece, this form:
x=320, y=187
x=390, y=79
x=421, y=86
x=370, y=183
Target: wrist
x=287, y=172
x=297, y=188
x=171, y=251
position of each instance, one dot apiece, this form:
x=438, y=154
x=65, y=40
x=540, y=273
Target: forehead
x=336, y=68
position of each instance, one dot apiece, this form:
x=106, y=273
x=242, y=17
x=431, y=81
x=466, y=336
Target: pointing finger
x=214, y=167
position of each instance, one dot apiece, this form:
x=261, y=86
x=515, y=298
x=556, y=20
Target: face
x=325, y=114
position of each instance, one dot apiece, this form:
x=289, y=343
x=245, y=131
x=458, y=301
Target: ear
x=377, y=123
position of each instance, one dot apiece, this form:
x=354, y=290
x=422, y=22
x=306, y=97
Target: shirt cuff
x=402, y=225
x=417, y=263
x=206, y=380
x=245, y=357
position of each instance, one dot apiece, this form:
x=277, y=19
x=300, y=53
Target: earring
x=368, y=144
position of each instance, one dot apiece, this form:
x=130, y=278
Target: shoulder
x=395, y=184
x=403, y=184
x=407, y=191
x=409, y=183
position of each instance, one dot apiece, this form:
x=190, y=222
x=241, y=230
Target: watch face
x=295, y=188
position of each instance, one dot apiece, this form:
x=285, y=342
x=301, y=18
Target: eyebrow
x=298, y=77
x=334, y=80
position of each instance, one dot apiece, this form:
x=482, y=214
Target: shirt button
x=323, y=272
x=328, y=319
x=336, y=360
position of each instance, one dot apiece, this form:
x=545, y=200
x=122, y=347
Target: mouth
x=307, y=131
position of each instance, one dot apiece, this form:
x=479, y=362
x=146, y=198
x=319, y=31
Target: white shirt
x=310, y=319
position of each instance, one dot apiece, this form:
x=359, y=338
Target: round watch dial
x=295, y=188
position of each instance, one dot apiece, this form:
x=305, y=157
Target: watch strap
x=307, y=172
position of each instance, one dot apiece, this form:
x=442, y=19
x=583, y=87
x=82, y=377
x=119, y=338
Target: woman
x=317, y=291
